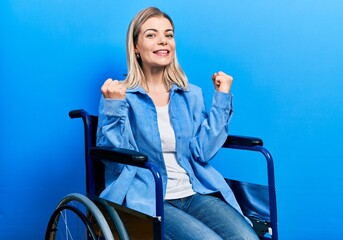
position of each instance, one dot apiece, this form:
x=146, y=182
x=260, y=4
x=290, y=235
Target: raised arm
x=114, y=128
x=213, y=126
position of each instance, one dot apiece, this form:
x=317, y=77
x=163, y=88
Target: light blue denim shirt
x=132, y=124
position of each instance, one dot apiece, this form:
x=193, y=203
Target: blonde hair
x=173, y=73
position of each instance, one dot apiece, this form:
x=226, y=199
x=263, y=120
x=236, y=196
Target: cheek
x=143, y=46
x=173, y=46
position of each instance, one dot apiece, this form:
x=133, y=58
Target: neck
x=154, y=80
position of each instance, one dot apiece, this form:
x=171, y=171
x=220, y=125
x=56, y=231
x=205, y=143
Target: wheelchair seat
x=106, y=220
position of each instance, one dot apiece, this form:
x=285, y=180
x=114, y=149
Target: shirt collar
x=175, y=88
x=139, y=89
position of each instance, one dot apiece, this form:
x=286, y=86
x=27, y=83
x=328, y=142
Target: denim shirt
x=131, y=123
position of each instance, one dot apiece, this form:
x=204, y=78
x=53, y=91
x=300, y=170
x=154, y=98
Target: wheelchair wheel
x=77, y=217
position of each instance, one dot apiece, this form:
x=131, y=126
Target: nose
x=163, y=41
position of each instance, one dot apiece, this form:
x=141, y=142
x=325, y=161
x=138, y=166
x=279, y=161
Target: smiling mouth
x=162, y=52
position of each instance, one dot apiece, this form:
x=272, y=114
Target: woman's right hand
x=113, y=89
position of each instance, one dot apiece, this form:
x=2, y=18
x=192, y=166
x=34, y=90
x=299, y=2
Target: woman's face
x=155, y=43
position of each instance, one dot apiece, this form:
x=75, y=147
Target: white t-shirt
x=178, y=185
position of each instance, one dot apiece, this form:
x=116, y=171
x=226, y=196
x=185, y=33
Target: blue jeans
x=204, y=217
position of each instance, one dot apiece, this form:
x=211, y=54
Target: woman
x=156, y=112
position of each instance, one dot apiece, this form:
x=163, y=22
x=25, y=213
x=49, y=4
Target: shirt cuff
x=115, y=107
x=222, y=100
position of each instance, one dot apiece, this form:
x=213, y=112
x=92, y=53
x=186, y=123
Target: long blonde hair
x=173, y=73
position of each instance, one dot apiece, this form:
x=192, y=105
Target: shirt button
x=178, y=137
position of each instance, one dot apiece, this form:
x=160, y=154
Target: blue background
x=286, y=60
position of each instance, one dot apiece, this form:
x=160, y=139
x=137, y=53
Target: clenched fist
x=222, y=82
x=113, y=89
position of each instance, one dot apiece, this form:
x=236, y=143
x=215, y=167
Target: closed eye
x=169, y=35
x=150, y=35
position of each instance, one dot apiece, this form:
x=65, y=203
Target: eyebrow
x=155, y=30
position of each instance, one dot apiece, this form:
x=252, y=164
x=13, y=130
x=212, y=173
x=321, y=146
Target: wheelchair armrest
x=242, y=141
x=134, y=158
x=119, y=155
x=78, y=113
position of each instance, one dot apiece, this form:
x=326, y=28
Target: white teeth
x=162, y=51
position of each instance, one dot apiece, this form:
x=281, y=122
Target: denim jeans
x=204, y=217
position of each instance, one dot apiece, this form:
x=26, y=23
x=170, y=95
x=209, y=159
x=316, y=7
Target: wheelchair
x=89, y=217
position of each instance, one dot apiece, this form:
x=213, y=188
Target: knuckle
x=103, y=89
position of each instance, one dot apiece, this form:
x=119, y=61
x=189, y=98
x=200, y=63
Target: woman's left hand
x=222, y=82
